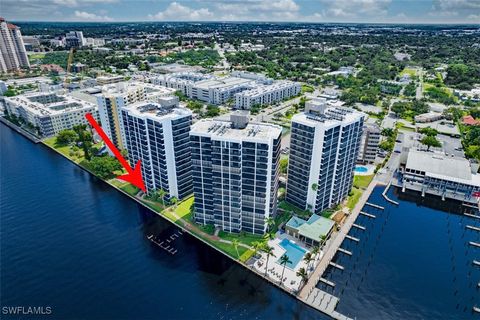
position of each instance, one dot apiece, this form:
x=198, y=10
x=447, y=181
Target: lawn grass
x=183, y=211
x=307, y=88
x=411, y=72
x=246, y=238
x=362, y=182
x=290, y=207
x=66, y=150
x=353, y=199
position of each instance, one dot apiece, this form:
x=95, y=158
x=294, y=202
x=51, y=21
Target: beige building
x=13, y=54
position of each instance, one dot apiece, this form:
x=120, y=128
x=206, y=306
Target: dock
x=333, y=264
x=475, y=244
x=359, y=226
x=476, y=309
x=165, y=244
x=374, y=205
x=472, y=215
x=352, y=238
x=310, y=294
x=473, y=228
x=345, y=251
x=476, y=263
x=328, y=282
x=368, y=214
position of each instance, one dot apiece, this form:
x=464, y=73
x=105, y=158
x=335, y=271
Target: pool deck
x=370, y=170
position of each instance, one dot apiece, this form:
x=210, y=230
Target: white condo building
x=369, y=144
x=13, y=55
x=244, y=88
x=324, y=146
x=50, y=112
x=235, y=169
x=159, y=137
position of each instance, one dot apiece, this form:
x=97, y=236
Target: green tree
x=283, y=165
x=302, y=273
x=308, y=259
x=65, y=137
x=235, y=244
x=431, y=141
x=174, y=201
x=429, y=131
x=161, y=194
x=104, y=166
x=284, y=260
x=269, y=252
x=270, y=223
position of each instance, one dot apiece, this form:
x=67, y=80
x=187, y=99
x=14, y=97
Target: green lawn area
x=353, y=199
x=183, y=210
x=411, y=72
x=245, y=238
x=362, y=182
x=66, y=150
x=307, y=88
x=290, y=207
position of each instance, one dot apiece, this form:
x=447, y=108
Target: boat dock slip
x=477, y=263
x=327, y=282
x=475, y=244
x=476, y=309
x=472, y=215
x=352, y=238
x=325, y=302
x=473, y=228
x=374, y=205
x=333, y=264
x=359, y=226
x=368, y=214
x=345, y=251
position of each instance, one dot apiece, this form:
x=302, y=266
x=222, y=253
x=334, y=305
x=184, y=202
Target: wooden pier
x=165, y=243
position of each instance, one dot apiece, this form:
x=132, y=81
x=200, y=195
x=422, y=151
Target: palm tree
x=235, y=244
x=323, y=239
x=174, y=201
x=302, y=274
x=315, y=251
x=308, y=258
x=270, y=223
x=284, y=260
x=268, y=236
x=257, y=245
x=161, y=194
x=269, y=251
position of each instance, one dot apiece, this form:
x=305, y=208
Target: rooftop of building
x=223, y=82
x=327, y=113
x=438, y=165
x=314, y=228
x=224, y=129
x=156, y=111
x=264, y=88
x=57, y=103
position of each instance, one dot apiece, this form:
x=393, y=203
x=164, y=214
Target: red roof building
x=470, y=121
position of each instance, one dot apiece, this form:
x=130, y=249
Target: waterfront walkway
x=315, y=297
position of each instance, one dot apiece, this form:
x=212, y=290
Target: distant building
x=13, y=55
x=74, y=39
x=110, y=102
x=159, y=137
x=50, y=112
x=324, y=147
x=79, y=67
x=267, y=94
x=30, y=42
x=103, y=80
x=428, y=117
x=235, y=173
x=470, y=121
x=433, y=173
x=369, y=145
x=3, y=87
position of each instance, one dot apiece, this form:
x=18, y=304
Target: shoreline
x=296, y=295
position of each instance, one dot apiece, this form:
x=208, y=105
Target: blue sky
x=379, y=11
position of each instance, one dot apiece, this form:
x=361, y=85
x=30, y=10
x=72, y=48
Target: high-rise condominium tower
x=159, y=137
x=13, y=55
x=324, y=146
x=235, y=168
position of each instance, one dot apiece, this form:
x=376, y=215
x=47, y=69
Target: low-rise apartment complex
x=369, y=144
x=50, y=112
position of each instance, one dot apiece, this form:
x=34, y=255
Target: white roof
x=155, y=111
x=438, y=165
x=221, y=130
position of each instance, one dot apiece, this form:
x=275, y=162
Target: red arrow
x=134, y=176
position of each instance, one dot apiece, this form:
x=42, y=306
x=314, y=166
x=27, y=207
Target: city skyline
x=357, y=11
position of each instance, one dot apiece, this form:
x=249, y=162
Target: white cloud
x=177, y=12
x=86, y=16
x=355, y=8
x=76, y=3
x=449, y=8
x=256, y=10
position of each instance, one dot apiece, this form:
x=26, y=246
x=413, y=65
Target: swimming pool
x=361, y=169
x=294, y=252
